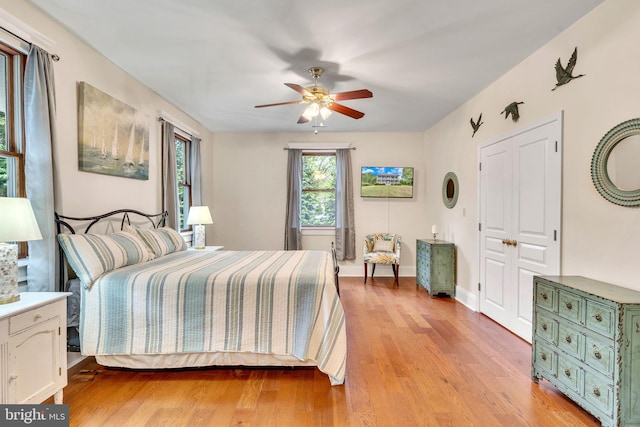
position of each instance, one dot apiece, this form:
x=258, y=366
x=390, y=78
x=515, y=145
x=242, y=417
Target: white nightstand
x=33, y=348
x=208, y=248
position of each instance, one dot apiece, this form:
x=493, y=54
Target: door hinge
x=480, y=166
x=59, y=371
x=479, y=226
x=556, y=146
x=479, y=286
x=555, y=235
x=59, y=331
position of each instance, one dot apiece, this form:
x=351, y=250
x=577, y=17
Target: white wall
x=600, y=240
x=83, y=193
x=250, y=192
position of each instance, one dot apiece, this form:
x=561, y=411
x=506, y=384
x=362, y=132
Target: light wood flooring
x=412, y=361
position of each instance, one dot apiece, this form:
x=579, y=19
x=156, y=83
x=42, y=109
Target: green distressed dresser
x=586, y=341
x=435, y=267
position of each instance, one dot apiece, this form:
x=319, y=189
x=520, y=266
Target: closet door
x=520, y=217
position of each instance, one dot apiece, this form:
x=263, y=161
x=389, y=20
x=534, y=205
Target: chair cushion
x=381, y=258
x=383, y=246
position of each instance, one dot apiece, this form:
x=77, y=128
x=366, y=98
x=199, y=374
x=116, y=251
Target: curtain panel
x=39, y=117
x=345, y=223
x=169, y=174
x=195, y=172
x=293, y=221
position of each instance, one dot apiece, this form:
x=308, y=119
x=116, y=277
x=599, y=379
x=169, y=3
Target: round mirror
x=614, y=164
x=450, y=190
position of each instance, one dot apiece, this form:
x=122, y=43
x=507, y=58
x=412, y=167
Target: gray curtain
x=195, y=172
x=293, y=227
x=169, y=173
x=345, y=224
x=39, y=117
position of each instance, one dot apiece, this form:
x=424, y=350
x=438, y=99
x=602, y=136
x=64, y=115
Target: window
x=318, y=190
x=184, y=183
x=12, y=179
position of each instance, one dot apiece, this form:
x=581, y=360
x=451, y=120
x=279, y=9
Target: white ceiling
x=216, y=59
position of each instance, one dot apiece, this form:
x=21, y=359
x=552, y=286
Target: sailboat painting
x=113, y=138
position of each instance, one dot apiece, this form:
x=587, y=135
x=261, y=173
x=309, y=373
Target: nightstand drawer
x=544, y=357
x=570, y=306
x=600, y=318
x=598, y=392
x=569, y=373
x=546, y=297
x=546, y=327
x=570, y=340
x=600, y=355
x=31, y=318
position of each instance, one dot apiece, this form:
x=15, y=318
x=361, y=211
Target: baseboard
x=467, y=298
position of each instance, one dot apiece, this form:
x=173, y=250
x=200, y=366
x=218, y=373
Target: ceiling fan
x=320, y=101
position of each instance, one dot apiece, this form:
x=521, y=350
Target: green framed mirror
x=614, y=169
x=450, y=190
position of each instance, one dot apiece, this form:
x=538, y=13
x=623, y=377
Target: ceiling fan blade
x=279, y=103
x=302, y=120
x=302, y=91
x=353, y=94
x=338, y=108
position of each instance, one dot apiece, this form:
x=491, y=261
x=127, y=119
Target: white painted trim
x=24, y=31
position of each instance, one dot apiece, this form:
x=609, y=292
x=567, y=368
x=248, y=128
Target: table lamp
x=17, y=224
x=198, y=216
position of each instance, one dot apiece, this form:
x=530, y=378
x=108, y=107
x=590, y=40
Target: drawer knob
x=37, y=317
x=597, y=355
x=543, y=356
x=568, y=339
x=596, y=391
x=567, y=372
x=544, y=326
x=544, y=296
x=569, y=305
x=598, y=317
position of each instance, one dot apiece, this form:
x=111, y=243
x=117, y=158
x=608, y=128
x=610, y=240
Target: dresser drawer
x=570, y=306
x=600, y=318
x=545, y=358
x=546, y=296
x=569, y=373
x=598, y=392
x=570, y=340
x=599, y=354
x=546, y=327
x=22, y=321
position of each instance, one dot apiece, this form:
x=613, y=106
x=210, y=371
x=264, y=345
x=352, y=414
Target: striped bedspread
x=272, y=302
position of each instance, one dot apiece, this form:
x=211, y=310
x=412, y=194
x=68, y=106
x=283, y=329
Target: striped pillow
x=91, y=255
x=159, y=241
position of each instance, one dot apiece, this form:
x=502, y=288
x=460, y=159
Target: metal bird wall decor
x=512, y=109
x=476, y=125
x=565, y=75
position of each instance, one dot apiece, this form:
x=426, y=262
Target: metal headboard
x=85, y=224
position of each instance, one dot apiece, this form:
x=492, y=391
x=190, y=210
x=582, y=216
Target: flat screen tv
x=386, y=181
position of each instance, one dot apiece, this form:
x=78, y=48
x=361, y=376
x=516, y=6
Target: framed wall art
x=113, y=138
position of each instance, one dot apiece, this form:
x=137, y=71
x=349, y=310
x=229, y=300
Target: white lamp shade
x=199, y=215
x=17, y=221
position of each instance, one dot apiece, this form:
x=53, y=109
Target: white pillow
x=383, y=246
x=91, y=255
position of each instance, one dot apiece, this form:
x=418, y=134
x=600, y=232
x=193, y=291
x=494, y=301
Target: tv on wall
x=386, y=181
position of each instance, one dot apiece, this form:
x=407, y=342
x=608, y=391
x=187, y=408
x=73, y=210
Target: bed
x=148, y=302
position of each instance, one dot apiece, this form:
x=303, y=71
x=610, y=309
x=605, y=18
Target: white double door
x=520, y=217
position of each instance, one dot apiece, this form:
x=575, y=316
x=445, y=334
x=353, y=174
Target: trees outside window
x=318, y=190
x=184, y=183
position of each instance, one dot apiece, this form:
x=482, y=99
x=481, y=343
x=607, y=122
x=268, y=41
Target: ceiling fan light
x=325, y=113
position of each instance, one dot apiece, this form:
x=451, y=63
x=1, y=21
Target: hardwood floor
x=412, y=361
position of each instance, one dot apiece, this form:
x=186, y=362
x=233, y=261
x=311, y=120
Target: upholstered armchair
x=382, y=248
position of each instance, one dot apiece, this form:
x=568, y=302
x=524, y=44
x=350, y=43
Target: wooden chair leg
x=365, y=273
x=396, y=273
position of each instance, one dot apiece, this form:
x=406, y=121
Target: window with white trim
x=318, y=208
